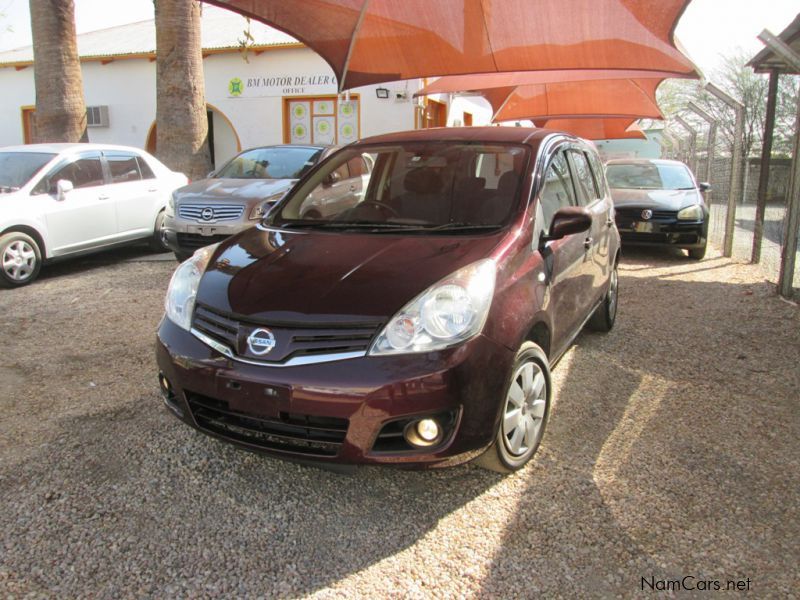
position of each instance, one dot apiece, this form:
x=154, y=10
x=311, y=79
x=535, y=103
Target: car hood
x=659, y=199
x=232, y=190
x=329, y=277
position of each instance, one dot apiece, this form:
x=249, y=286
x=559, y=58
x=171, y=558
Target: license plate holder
x=642, y=227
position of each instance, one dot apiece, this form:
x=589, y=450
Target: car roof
x=59, y=148
x=516, y=135
x=644, y=161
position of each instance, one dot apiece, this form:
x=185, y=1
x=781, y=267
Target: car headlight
x=182, y=291
x=172, y=203
x=691, y=213
x=260, y=211
x=446, y=314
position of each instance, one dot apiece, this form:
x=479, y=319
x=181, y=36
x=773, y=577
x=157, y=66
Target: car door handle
x=151, y=190
x=587, y=243
x=102, y=197
x=352, y=188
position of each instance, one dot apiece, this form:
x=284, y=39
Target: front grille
x=288, y=432
x=627, y=215
x=292, y=340
x=194, y=241
x=219, y=212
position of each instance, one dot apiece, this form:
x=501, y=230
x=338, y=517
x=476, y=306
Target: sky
x=707, y=29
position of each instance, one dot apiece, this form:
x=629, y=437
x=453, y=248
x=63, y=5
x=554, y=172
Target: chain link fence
x=774, y=233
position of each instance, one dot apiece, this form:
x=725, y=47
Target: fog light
x=422, y=433
x=166, y=388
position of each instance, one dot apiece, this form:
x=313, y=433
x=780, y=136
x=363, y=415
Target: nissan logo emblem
x=260, y=342
x=647, y=214
x=207, y=213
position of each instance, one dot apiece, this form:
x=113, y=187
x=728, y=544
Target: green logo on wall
x=235, y=87
x=299, y=131
x=347, y=109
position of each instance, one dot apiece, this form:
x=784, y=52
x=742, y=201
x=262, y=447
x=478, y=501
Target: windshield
x=648, y=176
x=413, y=187
x=17, y=168
x=282, y=162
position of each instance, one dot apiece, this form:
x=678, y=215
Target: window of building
x=323, y=120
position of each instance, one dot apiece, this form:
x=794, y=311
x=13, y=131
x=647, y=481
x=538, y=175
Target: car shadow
x=90, y=262
x=656, y=462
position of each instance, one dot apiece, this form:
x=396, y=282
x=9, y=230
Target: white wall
x=127, y=87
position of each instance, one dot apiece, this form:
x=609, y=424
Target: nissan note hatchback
x=415, y=327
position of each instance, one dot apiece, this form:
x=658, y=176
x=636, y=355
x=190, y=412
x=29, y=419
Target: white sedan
x=59, y=200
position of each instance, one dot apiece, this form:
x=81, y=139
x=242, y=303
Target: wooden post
x=763, y=175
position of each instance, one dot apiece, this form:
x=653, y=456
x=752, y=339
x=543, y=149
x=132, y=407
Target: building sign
x=301, y=84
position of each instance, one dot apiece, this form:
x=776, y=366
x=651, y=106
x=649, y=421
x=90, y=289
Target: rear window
x=17, y=168
x=271, y=163
x=649, y=176
x=430, y=184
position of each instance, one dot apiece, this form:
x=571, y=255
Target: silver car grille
x=211, y=213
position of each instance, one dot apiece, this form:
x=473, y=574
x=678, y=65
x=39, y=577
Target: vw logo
x=207, y=213
x=647, y=214
x=260, y=342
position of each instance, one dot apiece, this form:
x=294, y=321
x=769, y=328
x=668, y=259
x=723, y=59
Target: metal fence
x=690, y=144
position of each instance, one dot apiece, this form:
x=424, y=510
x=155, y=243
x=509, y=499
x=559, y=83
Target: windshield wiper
x=387, y=227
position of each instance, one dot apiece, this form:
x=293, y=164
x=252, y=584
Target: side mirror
x=331, y=178
x=63, y=187
x=567, y=221
x=704, y=186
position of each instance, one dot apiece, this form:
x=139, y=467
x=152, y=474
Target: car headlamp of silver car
x=446, y=314
x=691, y=213
x=182, y=291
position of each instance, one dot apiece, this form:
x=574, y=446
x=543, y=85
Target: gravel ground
x=672, y=450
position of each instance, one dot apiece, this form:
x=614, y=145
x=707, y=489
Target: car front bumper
x=345, y=412
x=680, y=234
x=184, y=237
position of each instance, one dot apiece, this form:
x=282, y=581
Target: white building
x=276, y=90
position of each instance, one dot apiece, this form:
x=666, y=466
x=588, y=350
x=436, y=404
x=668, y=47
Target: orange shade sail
x=607, y=98
x=373, y=41
x=596, y=129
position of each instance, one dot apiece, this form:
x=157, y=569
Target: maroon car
x=416, y=327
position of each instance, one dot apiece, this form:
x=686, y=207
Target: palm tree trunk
x=182, y=125
x=60, y=108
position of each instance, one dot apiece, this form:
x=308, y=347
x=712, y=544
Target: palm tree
x=182, y=125
x=60, y=108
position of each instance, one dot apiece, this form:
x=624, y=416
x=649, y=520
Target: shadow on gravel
x=656, y=461
x=98, y=260
x=132, y=502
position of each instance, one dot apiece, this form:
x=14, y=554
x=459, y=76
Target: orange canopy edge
x=374, y=41
x=596, y=129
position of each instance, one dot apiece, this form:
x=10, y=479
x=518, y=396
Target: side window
x=356, y=166
x=144, y=168
x=123, y=168
x=84, y=172
x=557, y=191
x=584, y=182
x=599, y=173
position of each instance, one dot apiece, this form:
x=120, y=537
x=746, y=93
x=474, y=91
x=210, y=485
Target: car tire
x=525, y=409
x=697, y=253
x=182, y=256
x=605, y=315
x=20, y=259
x=158, y=243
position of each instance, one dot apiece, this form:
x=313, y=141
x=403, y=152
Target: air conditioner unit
x=97, y=116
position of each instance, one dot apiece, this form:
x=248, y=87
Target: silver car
x=238, y=195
